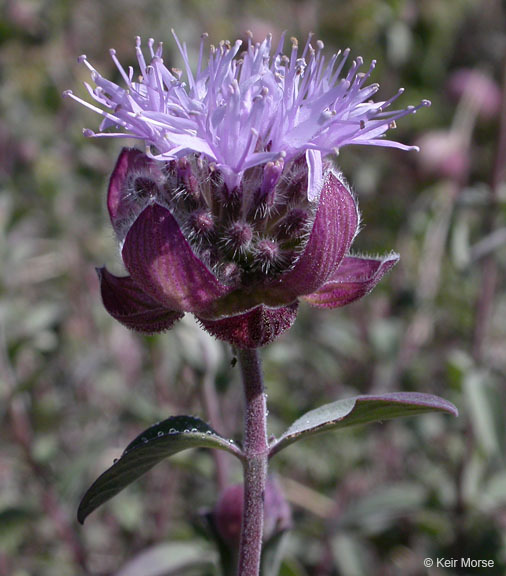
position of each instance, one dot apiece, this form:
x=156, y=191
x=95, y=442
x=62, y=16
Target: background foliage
x=75, y=387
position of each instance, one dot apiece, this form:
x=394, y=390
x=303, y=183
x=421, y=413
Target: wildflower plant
x=235, y=212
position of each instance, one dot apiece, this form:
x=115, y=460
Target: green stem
x=255, y=463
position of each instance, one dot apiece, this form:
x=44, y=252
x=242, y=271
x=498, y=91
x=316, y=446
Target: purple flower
x=228, y=511
x=234, y=214
x=246, y=108
x=238, y=260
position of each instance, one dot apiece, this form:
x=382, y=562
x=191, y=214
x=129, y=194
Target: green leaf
x=478, y=392
x=361, y=410
x=292, y=567
x=158, y=442
x=272, y=554
x=15, y=522
x=351, y=555
x=381, y=508
x=171, y=559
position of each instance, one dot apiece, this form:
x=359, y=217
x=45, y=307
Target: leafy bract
x=361, y=410
x=158, y=442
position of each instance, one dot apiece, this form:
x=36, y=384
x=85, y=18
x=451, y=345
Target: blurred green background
x=75, y=387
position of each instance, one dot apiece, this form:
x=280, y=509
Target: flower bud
x=181, y=185
x=294, y=224
x=294, y=184
x=267, y=254
x=145, y=187
x=202, y=223
x=183, y=168
x=265, y=196
x=230, y=506
x=238, y=236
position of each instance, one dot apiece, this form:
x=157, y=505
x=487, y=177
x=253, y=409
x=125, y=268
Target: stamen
x=112, y=52
x=245, y=112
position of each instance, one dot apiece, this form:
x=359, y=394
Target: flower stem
x=255, y=463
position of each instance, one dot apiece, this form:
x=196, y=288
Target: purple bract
x=234, y=213
x=237, y=261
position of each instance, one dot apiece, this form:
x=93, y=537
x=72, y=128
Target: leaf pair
x=179, y=433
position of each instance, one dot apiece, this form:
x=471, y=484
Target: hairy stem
x=255, y=463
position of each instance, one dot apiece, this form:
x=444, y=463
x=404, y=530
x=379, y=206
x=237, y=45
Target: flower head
x=228, y=512
x=240, y=266
x=234, y=214
x=245, y=109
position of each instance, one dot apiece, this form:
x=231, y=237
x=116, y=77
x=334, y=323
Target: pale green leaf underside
x=361, y=410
